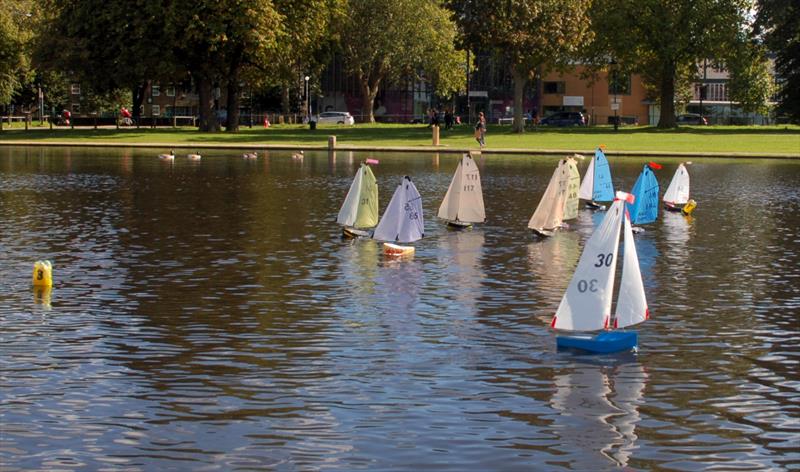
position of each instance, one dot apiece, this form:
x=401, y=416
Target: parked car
x=337, y=117
x=564, y=118
x=691, y=119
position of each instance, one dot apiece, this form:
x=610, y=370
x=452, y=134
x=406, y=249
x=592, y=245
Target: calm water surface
x=207, y=316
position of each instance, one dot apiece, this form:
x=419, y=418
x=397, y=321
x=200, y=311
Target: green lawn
x=735, y=139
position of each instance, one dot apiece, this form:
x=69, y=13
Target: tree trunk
x=519, y=88
x=285, y=103
x=208, y=120
x=368, y=93
x=234, y=91
x=667, y=117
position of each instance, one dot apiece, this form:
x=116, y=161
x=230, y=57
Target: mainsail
x=549, y=214
x=678, y=190
x=631, y=302
x=402, y=221
x=573, y=183
x=597, y=185
x=360, y=207
x=464, y=198
x=645, y=208
x=586, y=305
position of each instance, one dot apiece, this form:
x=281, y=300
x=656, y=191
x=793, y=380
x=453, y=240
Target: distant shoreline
x=399, y=149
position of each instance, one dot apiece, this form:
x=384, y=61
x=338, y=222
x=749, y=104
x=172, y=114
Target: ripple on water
x=208, y=316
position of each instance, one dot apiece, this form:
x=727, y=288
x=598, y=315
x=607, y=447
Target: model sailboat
x=463, y=202
x=645, y=191
x=677, y=196
x=402, y=222
x=596, y=186
x=359, y=211
x=586, y=305
x=560, y=200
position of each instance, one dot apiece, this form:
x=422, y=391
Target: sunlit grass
x=779, y=139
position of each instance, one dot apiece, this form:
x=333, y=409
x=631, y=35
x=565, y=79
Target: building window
x=75, y=89
x=156, y=110
x=619, y=85
x=554, y=87
x=156, y=91
x=170, y=91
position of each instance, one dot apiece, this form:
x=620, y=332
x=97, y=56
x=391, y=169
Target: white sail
x=587, y=186
x=402, y=221
x=349, y=211
x=678, y=190
x=631, y=302
x=574, y=179
x=448, y=210
x=586, y=305
x=464, y=198
x=550, y=212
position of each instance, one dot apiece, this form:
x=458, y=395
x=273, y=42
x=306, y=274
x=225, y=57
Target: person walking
x=480, y=130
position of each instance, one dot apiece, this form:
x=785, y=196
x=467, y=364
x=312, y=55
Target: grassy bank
x=733, y=139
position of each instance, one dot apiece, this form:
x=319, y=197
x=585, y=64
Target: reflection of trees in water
x=598, y=410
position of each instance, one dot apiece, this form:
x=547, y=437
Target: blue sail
x=645, y=208
x=603, y=190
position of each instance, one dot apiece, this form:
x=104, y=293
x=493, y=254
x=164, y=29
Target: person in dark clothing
x=480, y=130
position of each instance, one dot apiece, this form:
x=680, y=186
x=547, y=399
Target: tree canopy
x=386, y=40
x=779, y=23
x=664, y=39
x=221, y=45
x=526, y=33
x=16, y=17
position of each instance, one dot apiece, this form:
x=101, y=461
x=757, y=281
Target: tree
x=664, y=39
x=411, y=39
x=14, y=57
x=216, y=41
x=751, y=84
x=779, y=23
x=108, y=45
x=305, y=43
x=526, y=34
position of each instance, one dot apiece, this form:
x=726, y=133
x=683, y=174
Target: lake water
x=207, y=316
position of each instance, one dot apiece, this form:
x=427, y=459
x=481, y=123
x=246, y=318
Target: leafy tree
x=15, y=31
x=386, y=40
x=306, y=42
x=216, y=40
x=526, y=34
x=751, y=84
x=107, y=45
x=663, y=40
x=779, y=23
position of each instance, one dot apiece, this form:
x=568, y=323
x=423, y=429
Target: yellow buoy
x=689, y=207
x=43, y=274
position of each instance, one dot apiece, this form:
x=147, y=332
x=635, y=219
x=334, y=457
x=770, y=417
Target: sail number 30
x=604, y=260
x=590, y=285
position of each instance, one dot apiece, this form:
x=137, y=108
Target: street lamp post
x=615, y=105
x=308, y=102
x=703, y=89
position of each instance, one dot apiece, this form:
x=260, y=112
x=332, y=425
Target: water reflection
x=552, y=262
x=210, y=317
x=598, y=409
x=43, y=296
